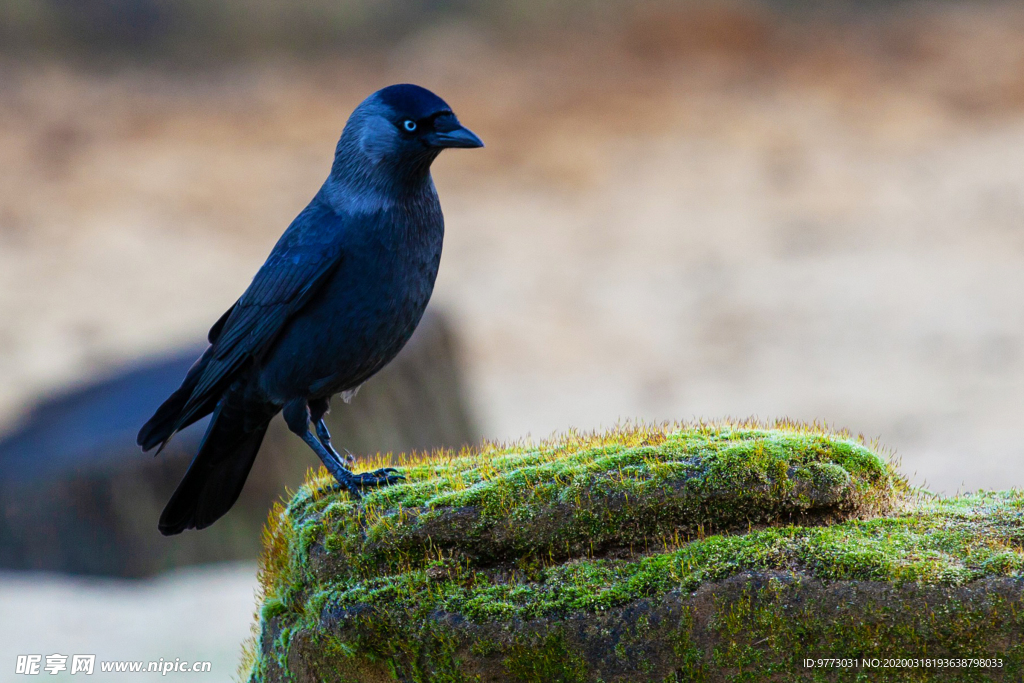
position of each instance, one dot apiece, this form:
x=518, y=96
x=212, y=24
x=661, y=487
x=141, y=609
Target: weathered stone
x=754, y=626
x=793, y=545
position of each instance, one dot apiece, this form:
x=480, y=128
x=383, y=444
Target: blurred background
x=811, y=210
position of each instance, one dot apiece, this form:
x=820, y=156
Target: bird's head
x=400, y=130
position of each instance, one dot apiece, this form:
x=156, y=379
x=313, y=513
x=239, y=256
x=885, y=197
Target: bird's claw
x=382, y=477
x=355, y=484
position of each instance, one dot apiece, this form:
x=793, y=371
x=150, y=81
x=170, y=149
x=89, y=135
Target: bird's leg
x=317, y=409
x=325, y=439
x=386, y=475
x=297, y=415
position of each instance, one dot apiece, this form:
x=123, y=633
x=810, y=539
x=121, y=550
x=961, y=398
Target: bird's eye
x=409, y=125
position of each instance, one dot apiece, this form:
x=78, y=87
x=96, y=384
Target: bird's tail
x=165, y=421
x=218, y=472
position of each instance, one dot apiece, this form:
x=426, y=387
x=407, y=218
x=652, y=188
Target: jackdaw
x=338, y=297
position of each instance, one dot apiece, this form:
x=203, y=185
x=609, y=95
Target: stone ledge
x=718, y=552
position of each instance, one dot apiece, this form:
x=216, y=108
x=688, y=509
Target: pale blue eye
x=409, y=126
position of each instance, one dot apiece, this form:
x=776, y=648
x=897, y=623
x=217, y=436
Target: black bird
x=338, y=297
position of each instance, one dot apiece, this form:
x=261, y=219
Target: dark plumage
x=338, y=297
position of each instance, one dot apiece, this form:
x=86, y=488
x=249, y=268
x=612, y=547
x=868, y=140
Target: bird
x=337, y=298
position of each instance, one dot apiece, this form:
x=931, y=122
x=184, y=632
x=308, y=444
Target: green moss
x=584, y=496
x=550, y=660
x=934, y=542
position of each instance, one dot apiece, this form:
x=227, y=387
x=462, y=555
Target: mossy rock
x=708, y=552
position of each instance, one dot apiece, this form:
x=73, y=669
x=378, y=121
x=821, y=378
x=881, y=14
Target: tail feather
x=216, y=476
x=164, y=422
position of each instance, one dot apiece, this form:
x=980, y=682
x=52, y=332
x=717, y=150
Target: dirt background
x=696, y=213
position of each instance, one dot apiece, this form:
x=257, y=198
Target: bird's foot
x=385, y=476
x=355, y=484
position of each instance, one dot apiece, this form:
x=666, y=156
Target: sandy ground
x=710, y=215
x=195, y=615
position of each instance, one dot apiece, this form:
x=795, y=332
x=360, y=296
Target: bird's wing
x=289, y=278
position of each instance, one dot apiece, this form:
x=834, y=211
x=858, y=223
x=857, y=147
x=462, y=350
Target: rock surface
x=712, y=552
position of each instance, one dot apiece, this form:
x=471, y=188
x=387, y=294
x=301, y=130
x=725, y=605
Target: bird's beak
x=460, y=136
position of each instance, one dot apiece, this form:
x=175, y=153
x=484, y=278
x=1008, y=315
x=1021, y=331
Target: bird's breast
x=363, y=315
